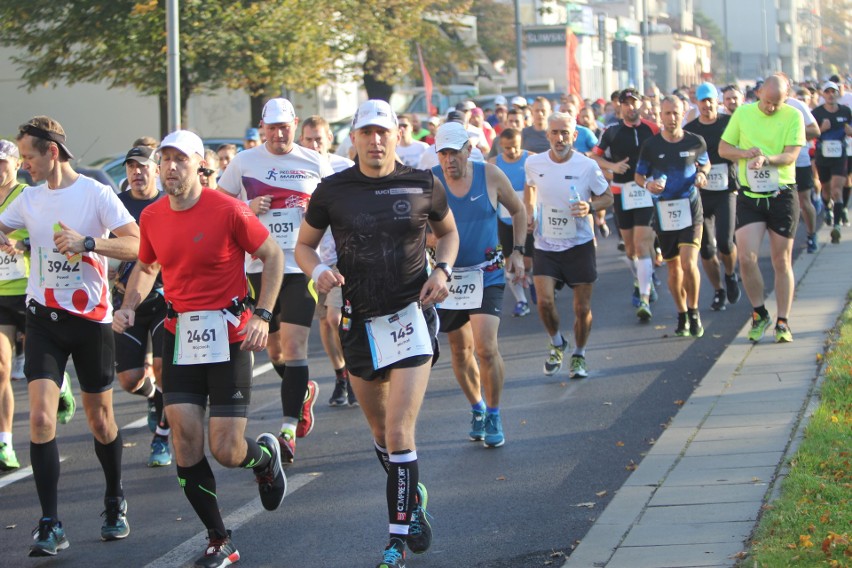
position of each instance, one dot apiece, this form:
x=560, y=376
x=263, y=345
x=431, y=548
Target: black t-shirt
x=379, y=230
x=621, y=141
x=837, y=132
x=135, y=207
x=712, y=134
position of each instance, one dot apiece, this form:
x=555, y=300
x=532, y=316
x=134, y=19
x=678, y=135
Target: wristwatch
x=520, y=248
x=265, y=315
x=89, y=244
x=591, y=207
x=446, y=268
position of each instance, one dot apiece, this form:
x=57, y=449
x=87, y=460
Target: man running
x=409, y=149
x=278, y=178
x=69, y=217
x=471, y=314
x=564, y=187
x=765, y=139
x=835, y=124
x=805, y=172
x=199, y=238
x=378, y=211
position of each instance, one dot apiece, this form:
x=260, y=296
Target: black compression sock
x=45, y=463
x=146, y=389
x=382, y=453
x=293, y=389
x=257, y=457
x=199, y=486
x=402, y=489
x=110, y=457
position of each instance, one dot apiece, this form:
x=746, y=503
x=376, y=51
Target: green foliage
x=496, y=28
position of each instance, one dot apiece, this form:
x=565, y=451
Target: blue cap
x=253, y=134
x=706, y=91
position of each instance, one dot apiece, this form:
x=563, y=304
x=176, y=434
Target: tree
x=496, y=30
x=836, y=23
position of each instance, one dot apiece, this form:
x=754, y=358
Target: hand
x=580, y=209
x=654, y=186
x=531, y=224
x=622, y=166
x=328, y=280
x=67, y=240
x=700, y=181
x=435, y=290
x=825, y=125
x=256, y=333
x=515, y=266
x=7, y=246
x=260, y=205
x=123, y=319
x=758, y=163
x=753, y=153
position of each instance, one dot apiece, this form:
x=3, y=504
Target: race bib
x=202, y=337
x=674, y=214
x=465, y=290
x=556, y=223
x=12, y=267
x=635, y=197
x=283, y=225
x=717, y=179
x=398, y=336
x=849, y=145
x=832, y=148
x=764, y=180
x=57, y=271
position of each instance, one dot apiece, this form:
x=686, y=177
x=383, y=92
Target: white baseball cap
x=500, y=100
x=278, y=111
x=519, y=101
x=451, y=135
x=8, y=150
x=374, y=112
x=187, y=142
x=830, y=85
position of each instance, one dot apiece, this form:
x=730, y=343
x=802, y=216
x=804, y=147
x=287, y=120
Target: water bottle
x=574, y=199
x=662, y=180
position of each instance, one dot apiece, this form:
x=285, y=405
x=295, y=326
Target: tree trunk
x=163, y=100
x=256, y=108
x=376, y=89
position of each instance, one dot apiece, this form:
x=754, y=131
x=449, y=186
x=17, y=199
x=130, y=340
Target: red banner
x=573, y=67
x=427, y=83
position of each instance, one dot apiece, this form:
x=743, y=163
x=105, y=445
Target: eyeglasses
x=205, y=172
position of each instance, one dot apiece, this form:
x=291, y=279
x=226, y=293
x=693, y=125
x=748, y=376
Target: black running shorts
x=720, y=216
x=295, y=303
x=13, y=311
x=130, y=346
x=492, y=305
x=576, y=265
x=779, y=213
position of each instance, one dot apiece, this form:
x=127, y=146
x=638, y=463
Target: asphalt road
x=570, y=445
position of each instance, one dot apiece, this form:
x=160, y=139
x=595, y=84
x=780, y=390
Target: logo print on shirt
x=402, y=207
x=197, y=237
x=477, y=197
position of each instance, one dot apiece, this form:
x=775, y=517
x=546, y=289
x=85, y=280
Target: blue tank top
x=515, y=172
x=476, y=220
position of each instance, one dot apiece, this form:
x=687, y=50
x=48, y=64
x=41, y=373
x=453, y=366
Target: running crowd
x=209, y=256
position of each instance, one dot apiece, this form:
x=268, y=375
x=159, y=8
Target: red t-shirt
x=201, y=251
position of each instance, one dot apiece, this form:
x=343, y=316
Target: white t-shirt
x=429, y=158
x=327, y=248
x=803, y=159
x=410, y=155
x=553, y=184
x=290, y=180
x=90, y=208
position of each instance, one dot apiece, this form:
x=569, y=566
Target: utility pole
x=727, y=42
x=173, y=64
x=518, y=49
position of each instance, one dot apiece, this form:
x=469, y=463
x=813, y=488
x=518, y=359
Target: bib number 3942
x=202, y=337
x=465, y=290
x=398, y=336
x=283, y=225
x=57, y=271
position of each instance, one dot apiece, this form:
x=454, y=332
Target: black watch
x=520, y=248
x=265, y=315
x=446, y=268
x=89, y=244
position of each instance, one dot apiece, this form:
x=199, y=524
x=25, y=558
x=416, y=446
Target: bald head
x=773, y=93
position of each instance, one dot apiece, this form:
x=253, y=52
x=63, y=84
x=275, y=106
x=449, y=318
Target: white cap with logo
x=451, y=135
x=187, y=142
x=278, y=111
x=830, y=85
x=8, y=150
x=374, y=113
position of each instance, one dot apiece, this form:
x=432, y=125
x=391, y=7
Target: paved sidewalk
x=695, y=498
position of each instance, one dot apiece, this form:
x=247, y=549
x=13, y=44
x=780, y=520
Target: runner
x=535, y=136
x=805, y=172
x=765, y=139
x=564, y=241
x=471, y=315
x=732, y=99
x=718, y=201
x=69, y=217
x=378, y=213
x=199, y=238
x=671, y=166
x=131, y=346
x=831, y=158
x=278, y=178
x=409, y=149
x=618, y=151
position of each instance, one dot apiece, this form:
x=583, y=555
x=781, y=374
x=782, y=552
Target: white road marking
x=19, y=475
x=190, y=549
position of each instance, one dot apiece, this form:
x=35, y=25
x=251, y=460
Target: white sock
x=517, y=290
x=631, y=264
x=6, y=438
x=581, y=351
x=289, y=426
x=556, y=340
x=644, y=273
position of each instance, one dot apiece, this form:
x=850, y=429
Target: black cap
x=141, y=154
x=629, y=93
x=455, y=116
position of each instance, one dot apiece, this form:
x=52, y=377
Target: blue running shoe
x=419, y=537
x=49, y=537
x=115, y=525
x=394, y=555
x=477, y=426
x=653, y=296
x=494, y=431
x=160, y=454
x=153, y=417
x=521, y=309
x=636, y=299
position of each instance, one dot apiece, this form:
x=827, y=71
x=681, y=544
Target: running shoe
x=844, y=217
x=67, y=405
x=220, y=552
x=494, y=431
x=732, y=288
x=287, y=442
x=521, y=309
x=620, y=245
x=338, y=397
x=636, y=298
x=682, y=329
x=477, y=425
x=160, y=454
x=394, y=555
x=604, y=230
x=153, y=416
x=759, y=326
x=643, y=312
x=115, y=525
x=695, y=327
x=783, y=333
x=812, y=244
x=8, y=459
x=835, y=235
x=578, y=367
x=350, y=394
x=718, y=303
x=18, y=368
x=554, y=360
x=306, y=418
x=419, y=537
x=49, y=537
x=271, y=482
x=653, y=296
x=829, y=215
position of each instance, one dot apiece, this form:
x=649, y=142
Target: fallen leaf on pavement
x=128, y=444
x=620, y=444
x=501, y=478
x=10, y=526
x=589, y=505
x=607, y=404
x=679, y=402
x=601, y=493
x=631, y=466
